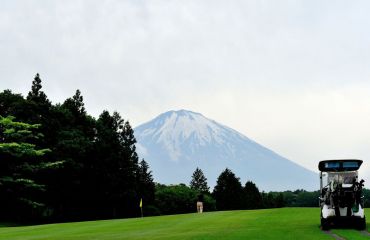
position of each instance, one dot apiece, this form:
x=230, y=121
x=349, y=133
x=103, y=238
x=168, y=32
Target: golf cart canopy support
x=340, y=165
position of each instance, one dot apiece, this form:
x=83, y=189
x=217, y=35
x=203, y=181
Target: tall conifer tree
x=228, y=191
x=36, y=95
x=252, y=196
x=199, y=181
x=146, y=188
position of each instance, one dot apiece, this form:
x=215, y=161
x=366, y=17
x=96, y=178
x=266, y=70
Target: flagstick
x=141, y=207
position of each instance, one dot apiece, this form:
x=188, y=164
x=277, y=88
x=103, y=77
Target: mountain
x=176, y=142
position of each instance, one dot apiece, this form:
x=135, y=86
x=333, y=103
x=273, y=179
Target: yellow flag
x=141, y=202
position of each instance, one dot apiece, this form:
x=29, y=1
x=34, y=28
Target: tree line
x=228, y=194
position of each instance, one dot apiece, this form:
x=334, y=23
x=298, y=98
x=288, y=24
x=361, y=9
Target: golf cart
x=341, y=199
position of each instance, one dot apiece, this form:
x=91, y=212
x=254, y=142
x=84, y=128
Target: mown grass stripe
x=285, y=223
x=335, y=236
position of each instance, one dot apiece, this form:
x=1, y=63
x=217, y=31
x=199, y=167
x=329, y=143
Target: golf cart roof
x=339, y=165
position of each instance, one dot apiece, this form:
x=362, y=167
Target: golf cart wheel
x=324, y=224
x=362, y=224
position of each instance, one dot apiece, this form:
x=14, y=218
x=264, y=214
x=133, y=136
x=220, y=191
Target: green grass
x=285, y=223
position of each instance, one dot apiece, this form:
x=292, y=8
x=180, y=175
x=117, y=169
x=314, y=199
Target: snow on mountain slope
x=176, y=142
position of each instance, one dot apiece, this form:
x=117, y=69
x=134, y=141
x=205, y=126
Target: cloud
x=293, y=75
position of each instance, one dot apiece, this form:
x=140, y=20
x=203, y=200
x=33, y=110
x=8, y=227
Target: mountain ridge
x=176, y=142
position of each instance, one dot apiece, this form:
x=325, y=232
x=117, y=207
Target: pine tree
x=117, y=165
x=130, y=167
x=252, y=196
x=75, y=104
x=109, y=166
x=146, y=185
x=199, y=181
x=38, y=110
x=228, y=191
x=36, y=95
x=128, y=141
x=74, y=144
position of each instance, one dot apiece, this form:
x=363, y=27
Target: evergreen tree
x=36, y=95
x=108, y=167
x=38, y=110
x=146, y=188
x=20, y=162
x=75, y=104
x=128, y=141
x=130, y=171
x=252, y=196
x=73, y=144
x=228, y=191
x=117, y=165
x=199, y=181
x=12, y=104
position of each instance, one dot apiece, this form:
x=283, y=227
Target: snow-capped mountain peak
x=175, y=128
x=176, y=142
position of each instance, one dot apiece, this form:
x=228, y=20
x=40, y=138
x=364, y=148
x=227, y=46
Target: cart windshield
x=344, y=178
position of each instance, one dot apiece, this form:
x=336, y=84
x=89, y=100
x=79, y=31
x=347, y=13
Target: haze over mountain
x=176, y=142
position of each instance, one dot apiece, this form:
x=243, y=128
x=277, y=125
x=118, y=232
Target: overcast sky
x=292, y=75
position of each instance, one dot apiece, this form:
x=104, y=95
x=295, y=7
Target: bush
x=177, y=199
x=209, y=203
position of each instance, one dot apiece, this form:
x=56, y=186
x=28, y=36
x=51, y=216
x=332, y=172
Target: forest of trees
x=58, y=163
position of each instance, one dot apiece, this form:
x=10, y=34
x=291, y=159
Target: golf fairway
x=284, y=223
